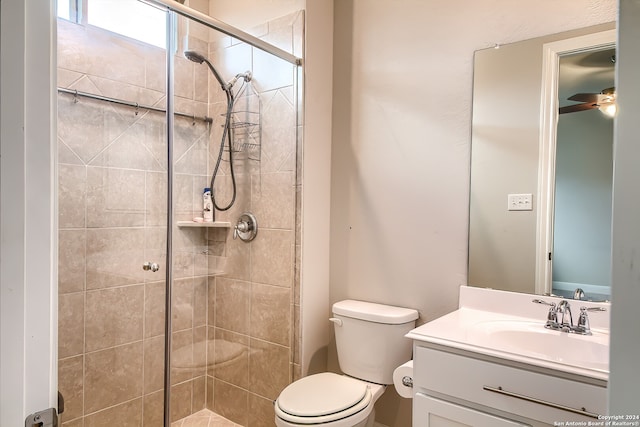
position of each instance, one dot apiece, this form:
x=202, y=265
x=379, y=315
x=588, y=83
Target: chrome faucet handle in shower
x=246, y=228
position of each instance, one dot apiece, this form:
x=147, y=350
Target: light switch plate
x=520, y=202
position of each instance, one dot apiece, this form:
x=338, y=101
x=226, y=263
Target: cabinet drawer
x=432, y=412
x=514, y=390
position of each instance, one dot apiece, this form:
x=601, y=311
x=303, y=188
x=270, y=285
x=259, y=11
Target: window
x=130, y=18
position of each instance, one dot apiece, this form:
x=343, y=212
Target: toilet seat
x=322, y=398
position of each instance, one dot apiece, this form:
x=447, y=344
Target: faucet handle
x=583, y=309
x=583, y=327
x=552, y=316
x=540, y=301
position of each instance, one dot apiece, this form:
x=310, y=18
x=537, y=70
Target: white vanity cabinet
x=454, y=388
x=432, y=412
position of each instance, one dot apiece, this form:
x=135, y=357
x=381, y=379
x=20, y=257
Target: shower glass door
x=112, y=186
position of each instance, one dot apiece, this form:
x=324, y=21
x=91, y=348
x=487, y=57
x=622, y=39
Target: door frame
x=28, y=220
x=548, y=138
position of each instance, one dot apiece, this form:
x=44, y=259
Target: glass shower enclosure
x=144, y=283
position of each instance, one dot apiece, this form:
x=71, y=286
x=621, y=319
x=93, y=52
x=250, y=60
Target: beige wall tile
x=72, y=196
x=155, y=70
x=154, y=302
x=104, y=122
x=131, y=149
x=200, y=347
x=156, y=199
x=182, y=310
x=114, y=257
x=181, y=395
x=115, y=197
x=71, y=260
x=261, y=412
x=278, y=135
x=155, y=248
x=194, y=160
x=154, y=409
x=268, y=368
x=238, y=252
x=231, y=402
x=183, y=79
x=229, y=62
x=79, y=422
x=210, y=398
x=273, y=200
x=70, y=384
x=70, y=324
x=271, y=72
x=113, y=317
x=153, y=364
x=270, y=313
x=183, y=196
x=66, y=155
x=272, y=258
x=211, y=300
x=113, y=376
x=230, y=362
x=232, y=305
x=182, y=356
x=67, y=77
x=199, y=301
x=199, y=394
x=127, y=414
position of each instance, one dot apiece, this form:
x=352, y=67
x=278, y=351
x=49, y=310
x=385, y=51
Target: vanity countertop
x=509, y=326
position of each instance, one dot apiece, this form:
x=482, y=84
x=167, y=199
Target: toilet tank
x=370, y=339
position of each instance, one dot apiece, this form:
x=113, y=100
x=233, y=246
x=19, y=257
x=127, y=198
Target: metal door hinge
x=46, y=418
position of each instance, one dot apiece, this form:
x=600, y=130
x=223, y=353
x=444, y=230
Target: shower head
x=199, y=59
x=194, y=56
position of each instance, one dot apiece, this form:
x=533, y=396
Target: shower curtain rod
x=225, y=28
x=130, y=104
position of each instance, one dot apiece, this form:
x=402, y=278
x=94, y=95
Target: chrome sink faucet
x=566, y=320
x=565, y=309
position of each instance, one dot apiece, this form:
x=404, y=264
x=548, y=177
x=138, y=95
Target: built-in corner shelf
x=215, y=224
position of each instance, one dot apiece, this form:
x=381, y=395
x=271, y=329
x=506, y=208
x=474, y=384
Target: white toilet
x=371, y=344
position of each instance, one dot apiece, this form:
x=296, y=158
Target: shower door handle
x=150, y=266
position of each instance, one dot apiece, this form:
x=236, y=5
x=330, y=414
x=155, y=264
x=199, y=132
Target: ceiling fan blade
x=577, y=107
x=588, y=97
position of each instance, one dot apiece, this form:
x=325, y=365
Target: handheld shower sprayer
x=194, y=56
x=227, y=133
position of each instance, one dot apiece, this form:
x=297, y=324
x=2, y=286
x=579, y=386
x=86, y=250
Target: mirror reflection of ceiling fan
x=605, y=101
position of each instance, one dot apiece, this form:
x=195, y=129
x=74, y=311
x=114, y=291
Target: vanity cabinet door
x=431, y=412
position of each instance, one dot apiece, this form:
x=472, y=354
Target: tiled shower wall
x=254, y=308
x=234, y=345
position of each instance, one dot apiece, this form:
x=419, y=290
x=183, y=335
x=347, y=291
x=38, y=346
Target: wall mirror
x=541, y=165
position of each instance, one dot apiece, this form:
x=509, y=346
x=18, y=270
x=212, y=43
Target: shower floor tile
x=204, y=418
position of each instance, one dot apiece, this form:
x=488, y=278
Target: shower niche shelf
x=214, y=224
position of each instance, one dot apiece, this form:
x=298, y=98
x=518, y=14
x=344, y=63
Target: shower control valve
x=246, y=228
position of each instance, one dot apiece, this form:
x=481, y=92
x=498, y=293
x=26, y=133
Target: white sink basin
x=533, y=339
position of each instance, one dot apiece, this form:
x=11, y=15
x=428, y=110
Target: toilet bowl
x=370, y=344
x=329, y=399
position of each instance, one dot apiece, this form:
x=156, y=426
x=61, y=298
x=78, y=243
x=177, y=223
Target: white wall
x=400, y=155
x=246, y=14
x=28, y=265
x=625, y=292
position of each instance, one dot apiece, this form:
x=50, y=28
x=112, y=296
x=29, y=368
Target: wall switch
x=519, y=202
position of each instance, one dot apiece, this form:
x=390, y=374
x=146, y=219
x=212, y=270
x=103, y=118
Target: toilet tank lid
x=372, y=312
